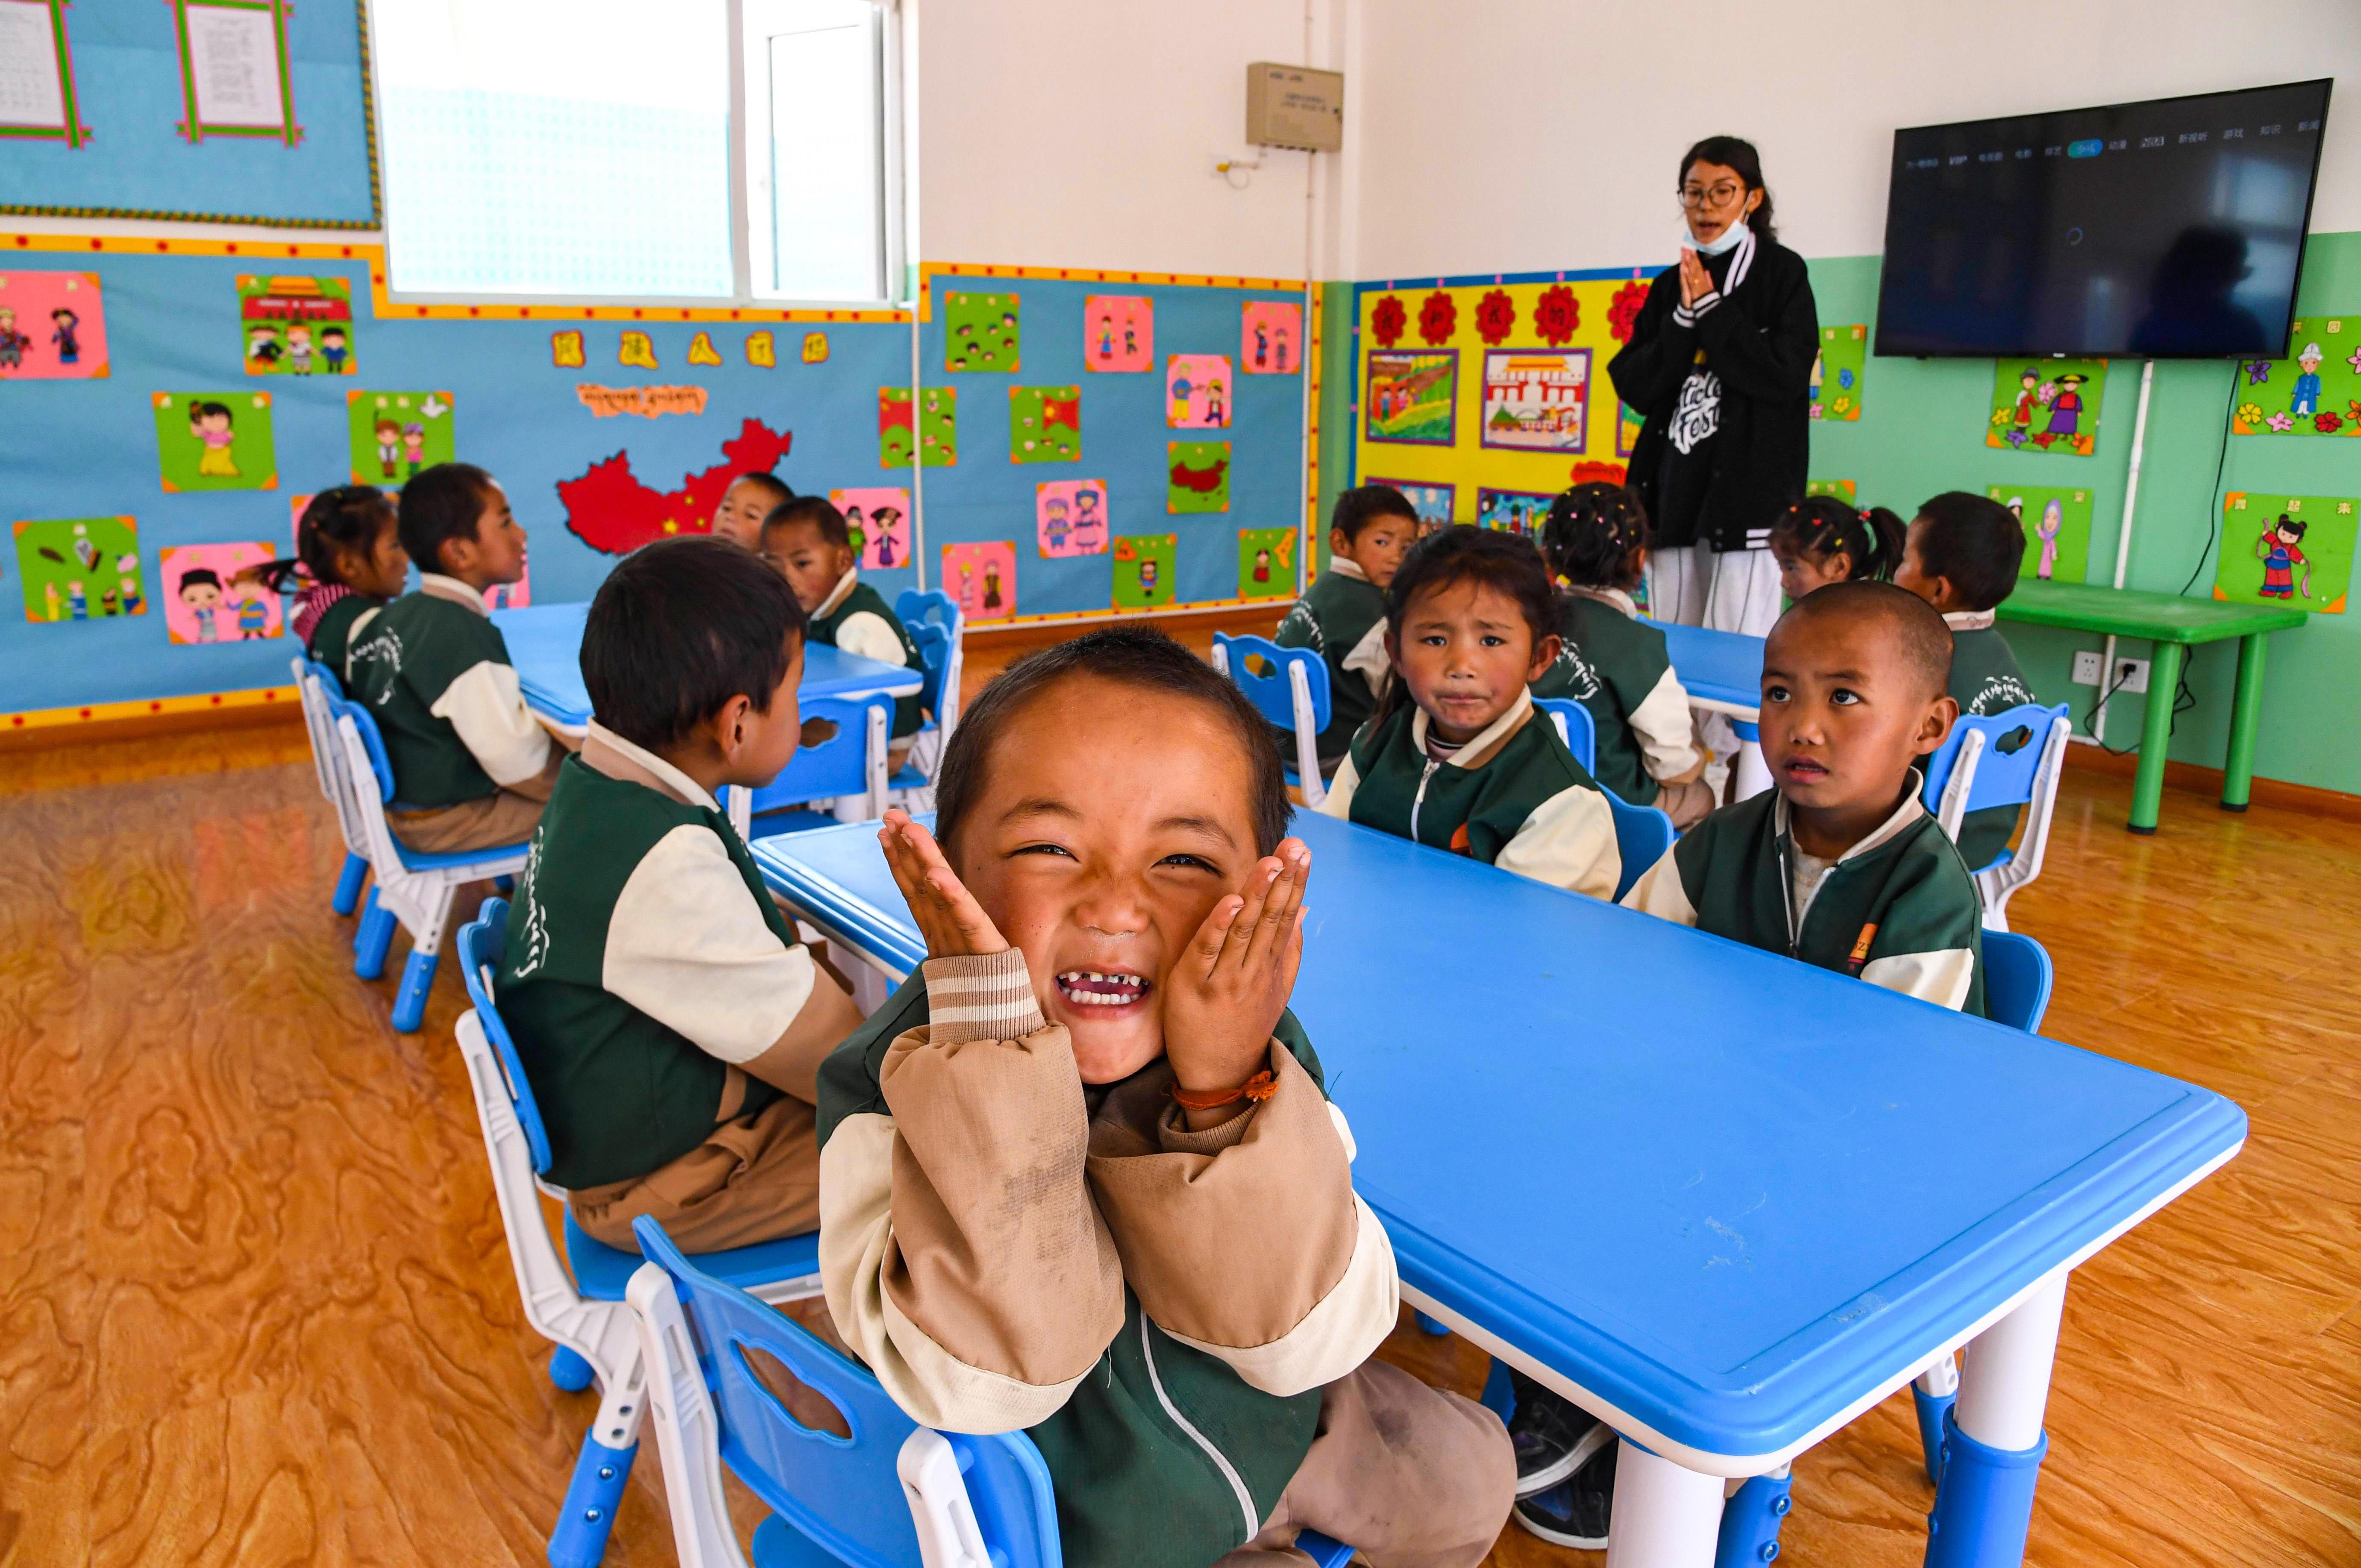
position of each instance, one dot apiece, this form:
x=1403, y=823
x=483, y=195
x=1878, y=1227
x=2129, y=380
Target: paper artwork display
x=936, y=424
x=983, y=577
x=1536, y=400
x=52, y=324
x=1044, y=425
x=1119, y=333
x=1267, y=563
x=1145, y=564
x=2047, y=405
x=1513, y=511
x=214, y=441
x=1197, y=389
x=1071, y=518
x=203, y=601
x=1197, y=476
x=609, y=509
x=1270, y=338
x=1432, y=501
x=297, y=326
x=37, y=91
x=80, y=568
x=879, y=521
x=2057, y=529
x=1412, y=397
x=393, y=436
x=1628, y=424
x=980, y=332
x=566, y=350
x=2316, y=390
x=1844, y=490
x=2287, y=550
x=233, y=69
x=1837, y=372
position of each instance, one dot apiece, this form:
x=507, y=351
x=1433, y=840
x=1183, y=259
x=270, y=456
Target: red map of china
x=608, y=509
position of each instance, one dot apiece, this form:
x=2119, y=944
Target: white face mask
x=1723, y=241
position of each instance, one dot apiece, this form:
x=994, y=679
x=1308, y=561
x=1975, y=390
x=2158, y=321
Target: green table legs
x=2156, y=734
x=2245, y=710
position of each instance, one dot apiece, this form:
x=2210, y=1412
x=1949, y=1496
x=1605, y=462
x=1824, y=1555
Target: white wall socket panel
x=2087, y=665
x=2133, y=674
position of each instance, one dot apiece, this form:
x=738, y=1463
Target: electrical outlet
x=2087, y=666
x=2132, y=674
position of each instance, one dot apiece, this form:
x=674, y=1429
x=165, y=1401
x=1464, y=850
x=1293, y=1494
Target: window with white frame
x=583, y=148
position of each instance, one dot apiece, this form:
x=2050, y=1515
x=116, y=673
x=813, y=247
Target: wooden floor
x=254, y=1306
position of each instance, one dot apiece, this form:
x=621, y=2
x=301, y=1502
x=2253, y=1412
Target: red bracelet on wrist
x=1259, y=1088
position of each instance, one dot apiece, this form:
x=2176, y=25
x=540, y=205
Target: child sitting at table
x=806, y=540
x=751, y=497
x=1595, y=541
x=1963, y=556
x=472, y=767
x=671, y=1025
x=1823, y=539
x=1343, y=616
x=1080, y=1175
x=1458, y=757
x=349, y=564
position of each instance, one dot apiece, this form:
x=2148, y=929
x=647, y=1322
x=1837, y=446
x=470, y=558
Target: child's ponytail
x=1819, y=527
x=344, y=520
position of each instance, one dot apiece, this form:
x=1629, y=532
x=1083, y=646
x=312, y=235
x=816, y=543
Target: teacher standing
x=1720, y=369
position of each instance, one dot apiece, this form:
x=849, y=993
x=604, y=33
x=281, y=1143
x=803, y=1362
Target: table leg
x=1993, y=1438
x=2245, y=710
x=2156, y=734
x=1753, y=773
x=1664, y=1515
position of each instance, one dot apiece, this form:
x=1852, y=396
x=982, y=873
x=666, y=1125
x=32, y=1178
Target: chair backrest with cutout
x=1575, y=726
x=934, y=641
x=933, y=607
x=837, y=766
x=1260, y=668
x=1642, y=833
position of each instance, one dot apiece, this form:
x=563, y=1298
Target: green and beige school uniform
x=671, y=1025
x=1898, y=909
x=855, y=617
x=1513, y=797
x=331, y=634
x=1985, y=679
x=1343, y=620
x=1615, y=665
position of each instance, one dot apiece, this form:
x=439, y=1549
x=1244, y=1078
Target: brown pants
x=1687, y=804
x=1406, y=1476
x=506, y=816
x=753, y=1180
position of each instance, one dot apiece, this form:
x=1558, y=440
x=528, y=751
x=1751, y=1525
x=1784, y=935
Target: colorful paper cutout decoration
x=980, y=332
x=606, y=402
x=2295, y=551
x=701, y=350
x=394, y=434
x=296, y=326
x=1197, y=391
x=1433, y=502
x=762, y=349
x=1837, y=373
x=1119, y=333
x=1044, y=425
x=882, y=519
x=1844, y=490
x=815, y=348
x=1145, y=565
x=52, y=327
x=296, y=506
x=1628, y=424
x=566, y=350
x=983, y=578
x=938, y=429
x=608, y=509
x=1197, y=477
x=2316, y=390
x=38, y=103
x=1412, y=397
x=1594, y=472
x=1267, y=563
x=2057, y=529
x=2047, y=405
x=204, y=601
x=80, y=568
x=1070, y=517
x=1514, y=511
x=215, y=441
x=1270, y=338
x=636, y=349
x=1536, y=400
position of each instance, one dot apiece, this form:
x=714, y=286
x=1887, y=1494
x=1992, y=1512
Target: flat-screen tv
x=2172, y=229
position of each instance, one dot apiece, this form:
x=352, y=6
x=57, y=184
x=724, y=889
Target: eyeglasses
x=1720, y=195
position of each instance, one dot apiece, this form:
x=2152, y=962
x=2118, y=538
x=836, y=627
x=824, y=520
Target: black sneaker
x=1553, y=1437
x=1574, y=1513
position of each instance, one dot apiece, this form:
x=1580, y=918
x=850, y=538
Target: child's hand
x=1227, y=991
x=1696, y=281
x=949, y=917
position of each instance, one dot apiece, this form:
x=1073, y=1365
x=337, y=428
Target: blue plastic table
x=1721, y=669
x=1727, y=1242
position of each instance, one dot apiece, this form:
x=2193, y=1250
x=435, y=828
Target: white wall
x=1525, y=135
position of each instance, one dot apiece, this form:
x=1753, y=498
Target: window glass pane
x=559, y=147
x=817, y=196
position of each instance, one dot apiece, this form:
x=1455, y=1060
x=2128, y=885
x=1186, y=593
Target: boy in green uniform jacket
x=1082, y=1178
x=807, y=541
x=669, y=1023
x=1343, y=618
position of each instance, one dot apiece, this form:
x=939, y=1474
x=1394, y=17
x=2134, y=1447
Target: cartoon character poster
x=2047, y=405
x=880, y=519
x=980, y=332
x=80, y=568
x=203, y=601
x=394, y=436
x=1837, y=373
x=1044, y=425
x=2316, y=390
x=1119, y=333
x=1270, y=340
x=1197, y=477
x=1197, y=391
x=1514, y=511
x=1411, y=396
x=1432, y=501
x=1144, y=566
x=52, y=327
x=1070, y=517
x=983, y=577
x=936, y=425
x=296, y=326
x=1844, y=490
x=2057, y=529
x=1536, y=400
x=1267, y=563
x=214, y=441
x=2295, y=551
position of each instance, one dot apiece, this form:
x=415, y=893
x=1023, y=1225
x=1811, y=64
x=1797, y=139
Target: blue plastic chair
x=851, y=763
x=317, y=689
x=1290, y=690
x=939, y=657
x=578, y=1304
x=1575, y=726
x=933, y=607
x=1642, y=833
x=2019, y=977
x=2007, y=759
x=863, y=1499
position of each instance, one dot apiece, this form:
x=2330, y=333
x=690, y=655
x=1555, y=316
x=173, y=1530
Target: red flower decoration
x=2328, y=425
x=2045, y=438
x=1387, y=321
x=1597, y=473
x=1494, y=317
x=1557, y=314
x=1438, y=318
x=1624, y=314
